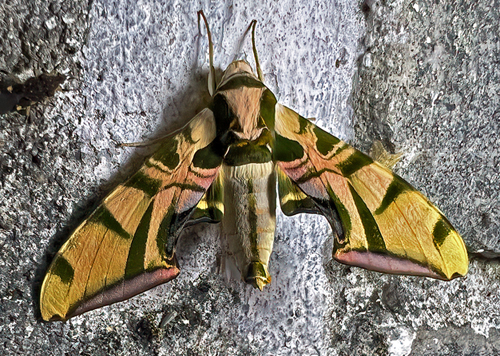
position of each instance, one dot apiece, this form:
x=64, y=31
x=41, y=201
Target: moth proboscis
x=223, y=167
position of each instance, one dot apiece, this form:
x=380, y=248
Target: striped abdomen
x=249, y=218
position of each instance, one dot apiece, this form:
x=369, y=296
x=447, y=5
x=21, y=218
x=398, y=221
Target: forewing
x=127, y=245
x=381, y=222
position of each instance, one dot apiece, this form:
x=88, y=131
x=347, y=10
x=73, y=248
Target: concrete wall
x=423, y=77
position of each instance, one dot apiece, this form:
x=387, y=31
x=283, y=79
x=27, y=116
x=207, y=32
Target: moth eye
x=229, y=138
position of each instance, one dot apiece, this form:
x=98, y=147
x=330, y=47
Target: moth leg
x=259, y=71
x=150, y=142
x=141, y=143
x=211, y=75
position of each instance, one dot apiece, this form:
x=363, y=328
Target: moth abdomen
x=249, y=220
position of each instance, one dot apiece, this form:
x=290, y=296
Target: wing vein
x=94, y=259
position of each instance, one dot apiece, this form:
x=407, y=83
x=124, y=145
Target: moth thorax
x=244, y=102
x=249, y=220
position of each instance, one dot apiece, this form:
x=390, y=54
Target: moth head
x=237, y=68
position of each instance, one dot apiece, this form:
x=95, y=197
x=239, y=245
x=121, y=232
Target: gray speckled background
x=421, y=76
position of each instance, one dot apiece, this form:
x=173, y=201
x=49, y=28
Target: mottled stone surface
x=422, y=77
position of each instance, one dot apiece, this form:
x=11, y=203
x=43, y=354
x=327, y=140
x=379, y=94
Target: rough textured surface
x=423, y=77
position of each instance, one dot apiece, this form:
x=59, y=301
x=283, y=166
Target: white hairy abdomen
x=249, y=218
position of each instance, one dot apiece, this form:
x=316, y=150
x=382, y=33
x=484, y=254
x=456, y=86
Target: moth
x=223, y=167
